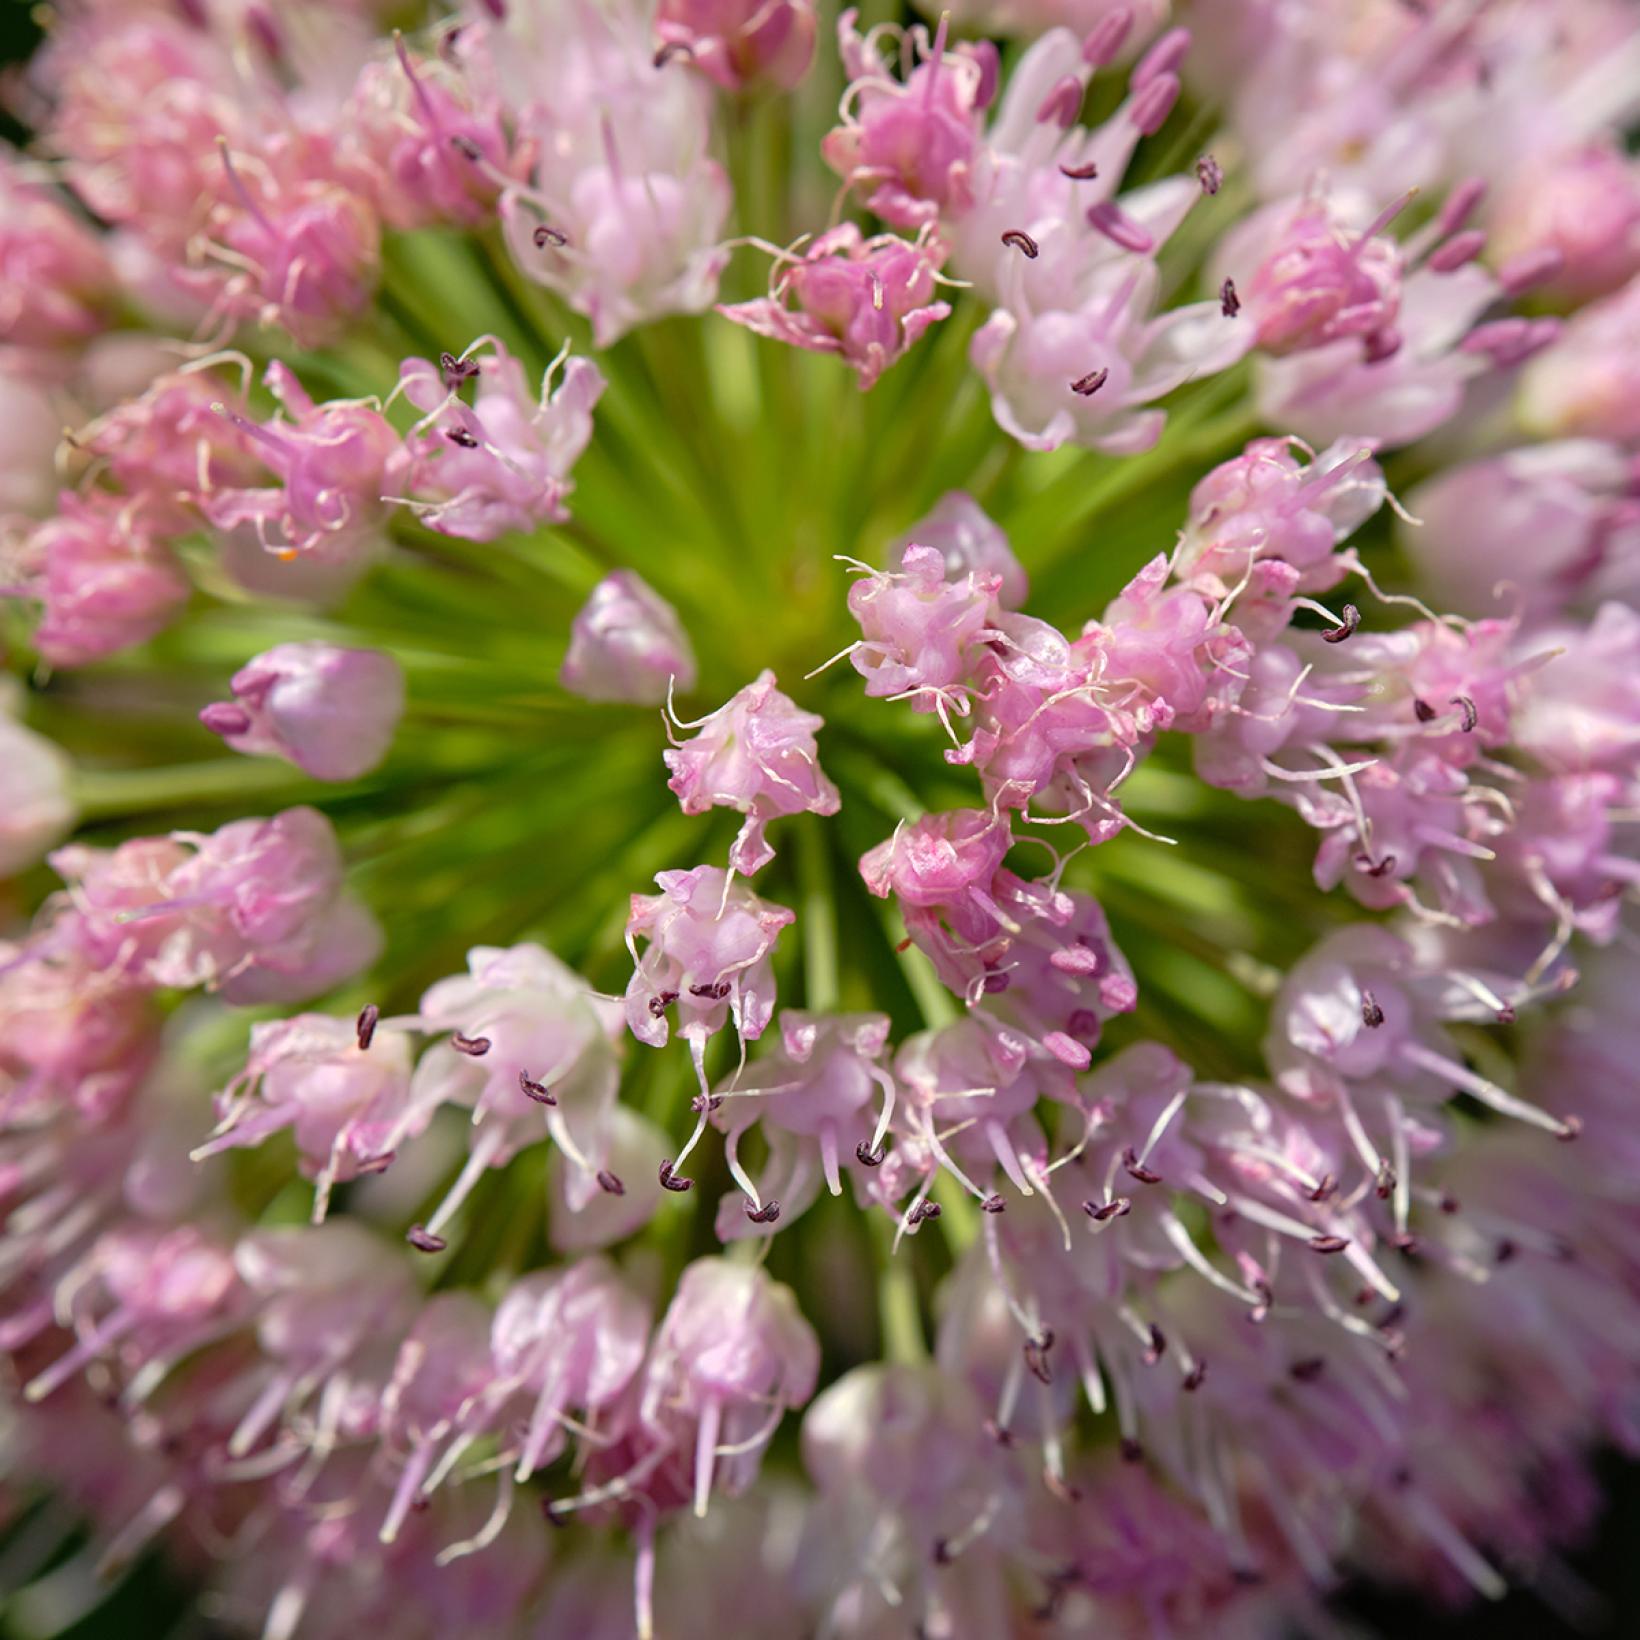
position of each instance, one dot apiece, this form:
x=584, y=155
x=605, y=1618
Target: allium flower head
x=1152, y=1139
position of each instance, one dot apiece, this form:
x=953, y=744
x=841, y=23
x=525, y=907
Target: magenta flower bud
x=348, y=1107
x=56, y=281
x=35, y=807
x=1106, y=38
x=1152, y=103
x=330, y=711
x=1161, y=58
x=503, y=462
x=866, y=300
x=755, y=754
x=627, y=644
x=732, y=1346
x=104, y=578
x=741, y=42
x=709, y=944
x=255, y=910
x=971, y=544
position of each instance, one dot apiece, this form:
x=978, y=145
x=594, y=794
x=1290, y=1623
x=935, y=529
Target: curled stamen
x=475, y=1047
x=423, y=1239
x=766, y=1214
x=1348, y=625
x=366, y=1024
x=1229, y=301
x=673, y=1181
x=923, y=1210
x=660, y=1002
x=609, y=1183
x=1022, y=241
x=1470, y=716
x=1210, y=174
x=545, y=235
x=1086, y=386
x=455, y=371
x=1372, y=1016
x=866, y=1156
x=538, y=1091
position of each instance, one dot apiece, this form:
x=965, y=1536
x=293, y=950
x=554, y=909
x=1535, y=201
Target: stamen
x=1470, y=716
x=544, y=236
x=1372, y=1016
x=923, y=1210
x=673, y=49
x=537, y=1091
x=1080, y=173
x=1423, y=711
x=866, y=1156
x=1229, y=301
x=366, y=1024
x=1022, y=241
x=475, y=1047
x=466, y=147
x=992, y=1204
x=609, y=1183
x=1036, y=1355
x=1086, y=386
x=1115, y=1208
x=1329, y=1244
x=460, y=436
x=673, y=1181
x=1210, y=174
x=1131, y=1162
x=1349, y=624
x=424, y=1241
x=766, y=1214
x=455, y=371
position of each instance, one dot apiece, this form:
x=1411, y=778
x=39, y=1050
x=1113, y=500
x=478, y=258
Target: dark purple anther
x=1080, y=173
x=424, y=1241
x=1423, y=711
x=992, y=1204
x=1470, y=716
x=475, y=1047
x=866, y=1156
x=1086, y=386
x=545, y=236
x=923, y=1210
x=610, y=1183
x=366, y=1024
x=1372, y=1016
x=538, y=1091
x=1036, y=1355
x=1130, y=1161
x=1329, y=1244
x=673, y=1181
x=1210, y=174
x=1022, y=241
x=1229, y=301
x=766, y=1214
x=1349, y=624
x=460, y=436
x=1113, y=1209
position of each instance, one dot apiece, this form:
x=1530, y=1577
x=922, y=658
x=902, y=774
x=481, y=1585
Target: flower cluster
x=1153, y=1136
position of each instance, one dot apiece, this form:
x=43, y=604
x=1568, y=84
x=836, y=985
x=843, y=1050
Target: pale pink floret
x=709, y=941
x=503, y=462
x=104, y=577
x=347, y=1102
x=920, y=632
x=1588, y=383
x=971, y=543
x=531, y=1053
x=255, y=910
x=741, y=42
x=334, y=463
x=731, y=1355
x=330, y=711
x=866, y=300
x=627, y=644
x=755, y=754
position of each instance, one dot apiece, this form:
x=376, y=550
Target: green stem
x=819, y=918
x=898, y=1311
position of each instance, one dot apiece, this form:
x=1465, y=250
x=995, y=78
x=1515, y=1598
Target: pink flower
x=741, y=42
x=755, y=754
x=732, y=1348
x=332, y=712
x=255, y=910
x=531, y=1052
x=939, y=861
x=346, y=1101
x=333, y=463
x=1583, y=206
x=867, y=300
x=104, y=578
x=920, y=632
x=1588, y=382
x=502, y=463
x=710, y=941
x=971, y=543
x=55, y=282
x=911, y=148
x=627, y=644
